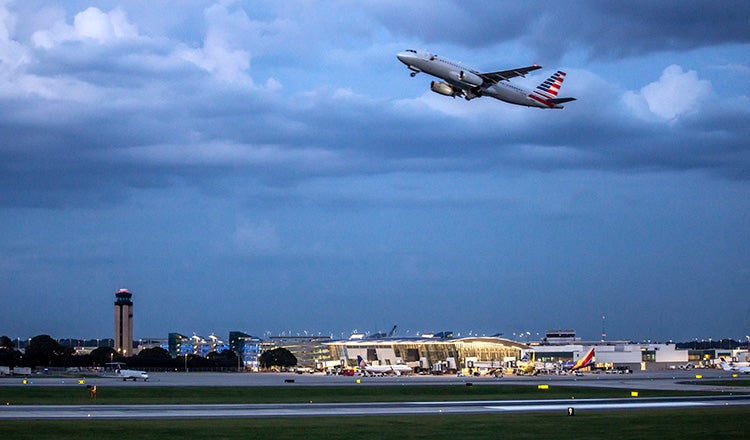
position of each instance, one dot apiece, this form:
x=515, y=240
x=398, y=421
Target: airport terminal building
x=435, y=354
x=311, y=351
x=442, y=353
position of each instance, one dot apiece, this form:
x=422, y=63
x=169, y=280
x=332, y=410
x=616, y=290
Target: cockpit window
x=411, y=50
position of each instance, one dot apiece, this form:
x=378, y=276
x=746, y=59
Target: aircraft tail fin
x=546, y=92
x=584, y=361
x=725, y=365
x=361, y=362
x=551, y=86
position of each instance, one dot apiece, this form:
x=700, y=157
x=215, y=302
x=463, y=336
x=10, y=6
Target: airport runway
x=654, y=380
x=98, y=412
x=657, y=380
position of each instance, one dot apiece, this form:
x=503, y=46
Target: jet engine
x=443, y=88
x=467, y=77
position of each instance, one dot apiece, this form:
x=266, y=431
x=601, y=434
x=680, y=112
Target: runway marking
x=71, y=412
x=598, y=406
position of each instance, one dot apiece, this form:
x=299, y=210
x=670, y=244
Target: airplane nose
x=403, y=57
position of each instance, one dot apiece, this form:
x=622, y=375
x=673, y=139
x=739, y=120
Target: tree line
x=44, y=351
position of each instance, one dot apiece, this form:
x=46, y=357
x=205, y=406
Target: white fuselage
x=388, y=369
x=452, y=72
x=396, y=369
x=132, y=374
x=729, y=367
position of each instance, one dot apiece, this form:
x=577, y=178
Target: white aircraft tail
x=725, y=365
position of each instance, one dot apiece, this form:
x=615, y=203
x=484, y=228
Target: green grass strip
x=722, y=383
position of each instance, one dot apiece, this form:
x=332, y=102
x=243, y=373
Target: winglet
x=522, y=73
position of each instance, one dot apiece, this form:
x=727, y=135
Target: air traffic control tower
x=123, y=322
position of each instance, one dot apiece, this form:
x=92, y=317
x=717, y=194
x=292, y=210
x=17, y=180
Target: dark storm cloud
x=138, y=92
x=601, y=29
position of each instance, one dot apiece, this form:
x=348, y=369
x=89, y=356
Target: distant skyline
x=274, y=168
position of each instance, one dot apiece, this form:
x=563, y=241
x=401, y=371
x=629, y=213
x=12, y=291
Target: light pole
x=186, y=362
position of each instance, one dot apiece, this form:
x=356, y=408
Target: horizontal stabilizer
x=561, y=100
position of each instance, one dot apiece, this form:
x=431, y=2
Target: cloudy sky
x=271, y=167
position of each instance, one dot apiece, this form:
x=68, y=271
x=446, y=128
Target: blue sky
x=271, y=167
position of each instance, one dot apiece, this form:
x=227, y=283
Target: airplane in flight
x=383, y=369
x=469, y=83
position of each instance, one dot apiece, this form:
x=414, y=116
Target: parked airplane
x=469, y=83
x=382, y=369
x=132, y=374
x=738, y=369
x=585, y=361
x=526, y=366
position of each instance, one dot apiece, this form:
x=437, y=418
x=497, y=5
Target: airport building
x=178, y=345
x=203, y=346
x=563, y=346
x=247, y=347
x=614, y=355
x=181, y=345
x=310, y=351
x=434, y=353
x=144, y=343
x=124, y=322
x=713, y=355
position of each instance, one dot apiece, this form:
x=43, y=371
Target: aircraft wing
x=503, y=75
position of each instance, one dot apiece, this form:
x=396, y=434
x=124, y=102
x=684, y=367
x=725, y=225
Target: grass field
x=79, y=395
x=724, y=383
x=641, y=424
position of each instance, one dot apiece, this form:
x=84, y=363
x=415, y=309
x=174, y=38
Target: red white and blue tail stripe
x=546, y=92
